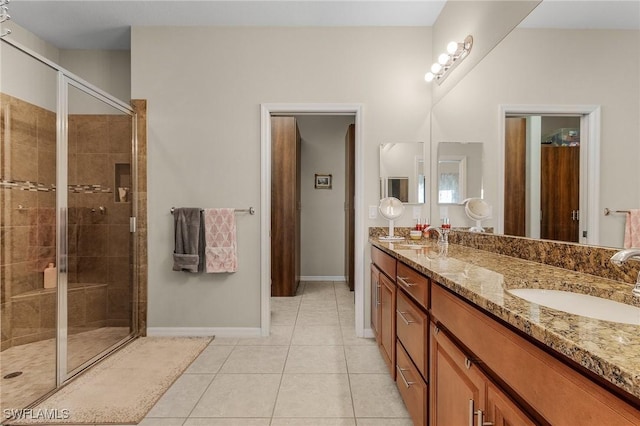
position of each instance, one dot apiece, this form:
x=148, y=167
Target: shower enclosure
x=67, y=226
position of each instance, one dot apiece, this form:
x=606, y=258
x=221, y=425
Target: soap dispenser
x=50, y=276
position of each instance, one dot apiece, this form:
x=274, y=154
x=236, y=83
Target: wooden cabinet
x=383, y=305
x=461, y=394
x=502, y=411
x=552, y=391
x=412, y=329
x=454, y=364
x=375, y=301
x=415, y=284
x=412, y=332
x=387, y=331
x=413, y=389
x=285, y=206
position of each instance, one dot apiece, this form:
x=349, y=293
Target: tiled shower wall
x=27, y=224
x=99, y=246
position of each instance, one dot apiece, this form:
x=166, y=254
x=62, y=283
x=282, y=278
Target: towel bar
x=250, y=210
x=607, y=211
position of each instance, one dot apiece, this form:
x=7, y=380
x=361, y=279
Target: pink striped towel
x=220, y=240
x=632, y=229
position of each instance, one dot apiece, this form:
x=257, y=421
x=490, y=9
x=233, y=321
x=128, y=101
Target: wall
x=204, y=88
x=322, y=215
x=488, y=22
x=109, y=70
x=556, y=67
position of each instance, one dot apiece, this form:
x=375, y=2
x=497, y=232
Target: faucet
x=621, y=257
x=443, y=234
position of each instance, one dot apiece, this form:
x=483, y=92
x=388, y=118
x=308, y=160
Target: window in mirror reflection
x=459, y=171
x=451, y=180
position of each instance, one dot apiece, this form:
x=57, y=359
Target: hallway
x=312, y=370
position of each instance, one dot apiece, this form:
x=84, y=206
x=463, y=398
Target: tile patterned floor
x=312, y=370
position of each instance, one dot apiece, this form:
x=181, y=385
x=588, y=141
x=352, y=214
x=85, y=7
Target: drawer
x=385, y=262
x=414, y=283
x=412, y=327
x=412, y=387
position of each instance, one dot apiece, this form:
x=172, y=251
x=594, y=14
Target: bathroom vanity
x=464, y=350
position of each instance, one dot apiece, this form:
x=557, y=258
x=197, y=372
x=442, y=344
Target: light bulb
x=428, y=77
x=443, y=58
x=435, y=68
x=452, y=47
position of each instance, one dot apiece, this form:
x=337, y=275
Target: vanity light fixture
x=456, y=52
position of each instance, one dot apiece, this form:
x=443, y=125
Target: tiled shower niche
x=98, y=238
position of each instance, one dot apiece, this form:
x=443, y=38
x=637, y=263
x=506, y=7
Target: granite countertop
x=610, y=350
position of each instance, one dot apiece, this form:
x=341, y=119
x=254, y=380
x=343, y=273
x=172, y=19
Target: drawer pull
x=467, y=363
x=403, y=281
x=406, y=321
x=404, y=379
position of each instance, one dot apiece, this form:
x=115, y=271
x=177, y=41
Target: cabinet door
x=502, y=411
x=375, y=302
x=388, y=322
x=457, y=387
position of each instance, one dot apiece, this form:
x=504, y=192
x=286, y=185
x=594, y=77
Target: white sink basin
x=581, y=304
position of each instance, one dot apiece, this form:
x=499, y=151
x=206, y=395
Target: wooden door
x=457, y=385
x=375, y=302
x=515, y=163
x=502, y=411
x=388, y=322
x=560, y=193
x=285, y=206
x=349, y=207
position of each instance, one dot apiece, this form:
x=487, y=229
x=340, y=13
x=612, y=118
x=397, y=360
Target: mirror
x=391, y=208
x=554, y=60
x=459, y=171
x=402, y=172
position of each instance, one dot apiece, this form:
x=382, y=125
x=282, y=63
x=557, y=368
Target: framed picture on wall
x=323, y=181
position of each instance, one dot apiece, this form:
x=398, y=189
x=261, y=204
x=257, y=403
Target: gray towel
x=188, y=236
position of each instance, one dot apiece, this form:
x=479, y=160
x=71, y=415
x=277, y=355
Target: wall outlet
x=373, y=212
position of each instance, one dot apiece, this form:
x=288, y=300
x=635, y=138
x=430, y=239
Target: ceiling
x=105, y=24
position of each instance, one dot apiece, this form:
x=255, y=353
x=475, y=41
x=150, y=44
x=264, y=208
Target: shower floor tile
x=37, y=362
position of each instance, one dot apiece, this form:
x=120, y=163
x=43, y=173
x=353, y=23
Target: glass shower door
x=28, y=166
x=100, y=277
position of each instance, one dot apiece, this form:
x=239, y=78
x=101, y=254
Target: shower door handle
x=132, y=224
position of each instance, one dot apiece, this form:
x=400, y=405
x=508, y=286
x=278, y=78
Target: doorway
x=531, y=157
x=542, y=177
x=267, y=111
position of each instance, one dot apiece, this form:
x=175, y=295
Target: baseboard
x=322, y=278
x=368, y=333
x=204, y=331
